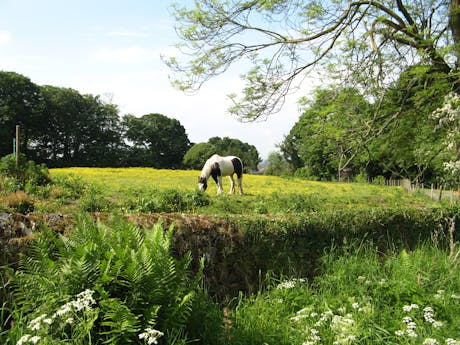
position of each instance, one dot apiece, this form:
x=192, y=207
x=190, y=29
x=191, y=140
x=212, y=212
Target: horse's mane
x=206, y=171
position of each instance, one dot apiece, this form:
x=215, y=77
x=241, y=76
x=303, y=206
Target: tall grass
x=363, y=297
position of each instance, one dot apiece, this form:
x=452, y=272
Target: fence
x=435, y=192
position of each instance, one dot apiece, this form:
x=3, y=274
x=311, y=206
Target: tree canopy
x=199, y=153
x=159, y=141
x=286, y=41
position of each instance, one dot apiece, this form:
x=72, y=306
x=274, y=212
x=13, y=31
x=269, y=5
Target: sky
x=113, y=48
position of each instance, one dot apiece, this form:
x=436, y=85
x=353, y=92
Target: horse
x=218, y=166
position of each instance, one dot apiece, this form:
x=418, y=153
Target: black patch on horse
x=237, y=167
x=215, y=171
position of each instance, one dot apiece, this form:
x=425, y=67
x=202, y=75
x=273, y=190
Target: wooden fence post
x=17, y=146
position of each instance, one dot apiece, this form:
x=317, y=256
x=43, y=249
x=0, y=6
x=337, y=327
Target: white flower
x=25, y=338
x=289, y=284
x=411, y=326
x=450, y=341
x=407, y=319
x=408, y=308
x=411, y=333
x=437, y=324
x=66, y=308
x=355, y=305
x=430, y=341
x=151, y=335
x=35, y=339
x=34, y=325
x=399, y=333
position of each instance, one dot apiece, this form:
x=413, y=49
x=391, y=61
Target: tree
x=158, y=141
x=287, y=40
x=21, y=103
x=277, y=165
x=77, y=130
x=324, y=140
x=234, y=147
x=408, y=144
x=197, y=155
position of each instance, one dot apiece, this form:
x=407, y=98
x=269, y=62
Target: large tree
x=323, y=141
x=288, y=40
x=158, y=141
x=21, y=103
x=234, y=147
x=77, y=130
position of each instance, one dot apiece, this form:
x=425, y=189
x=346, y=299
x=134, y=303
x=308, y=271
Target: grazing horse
x=218, y=166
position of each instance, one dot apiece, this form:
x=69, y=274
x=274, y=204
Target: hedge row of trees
x=411, y=132
x=61, y=127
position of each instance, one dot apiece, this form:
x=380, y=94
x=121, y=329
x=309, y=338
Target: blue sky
x=112, y=48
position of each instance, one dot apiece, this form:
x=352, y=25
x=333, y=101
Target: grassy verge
x=360, y=297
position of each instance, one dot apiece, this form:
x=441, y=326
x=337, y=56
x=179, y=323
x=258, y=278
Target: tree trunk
x=454, y=24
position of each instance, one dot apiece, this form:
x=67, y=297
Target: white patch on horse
x=218, y=166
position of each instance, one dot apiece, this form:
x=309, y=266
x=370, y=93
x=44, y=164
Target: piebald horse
x=218, y=166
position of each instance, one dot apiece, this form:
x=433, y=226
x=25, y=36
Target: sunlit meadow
x=263, y=194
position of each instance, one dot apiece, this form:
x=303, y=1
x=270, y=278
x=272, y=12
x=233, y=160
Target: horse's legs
x=219, y=185
x=240, y=184
x=232, y=185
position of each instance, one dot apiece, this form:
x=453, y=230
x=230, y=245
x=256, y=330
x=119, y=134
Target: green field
x=123, y=188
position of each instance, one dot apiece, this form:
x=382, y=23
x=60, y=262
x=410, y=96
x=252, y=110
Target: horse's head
x=202, y=183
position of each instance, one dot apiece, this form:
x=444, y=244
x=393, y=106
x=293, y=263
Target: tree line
x=390, y=69
x=61, y=127
x=333, y=138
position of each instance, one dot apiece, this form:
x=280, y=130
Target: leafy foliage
x=160, y=141
x=130, y=273
x=24, y=172
x=366, y=44
x=197, y=155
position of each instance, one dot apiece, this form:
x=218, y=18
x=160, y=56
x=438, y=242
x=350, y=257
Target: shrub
x=113, y=284
x=25, y=171
x=166, y=200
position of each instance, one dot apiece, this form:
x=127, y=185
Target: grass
x=120, y=188
x=359, y=298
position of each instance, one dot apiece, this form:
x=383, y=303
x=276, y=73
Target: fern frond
x=119, y=323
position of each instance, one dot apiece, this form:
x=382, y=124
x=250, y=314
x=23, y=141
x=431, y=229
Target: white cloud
x=5, y=37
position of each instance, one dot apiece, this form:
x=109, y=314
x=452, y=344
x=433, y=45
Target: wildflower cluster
x=41, y=324
x=151, y=336
x=339, y=325
x=415, y=321
x=290, y=284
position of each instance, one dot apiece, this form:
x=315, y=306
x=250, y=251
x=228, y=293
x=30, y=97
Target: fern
x=119, y=322
x=137, y=283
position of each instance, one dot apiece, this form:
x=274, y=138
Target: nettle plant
x=113, y=284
